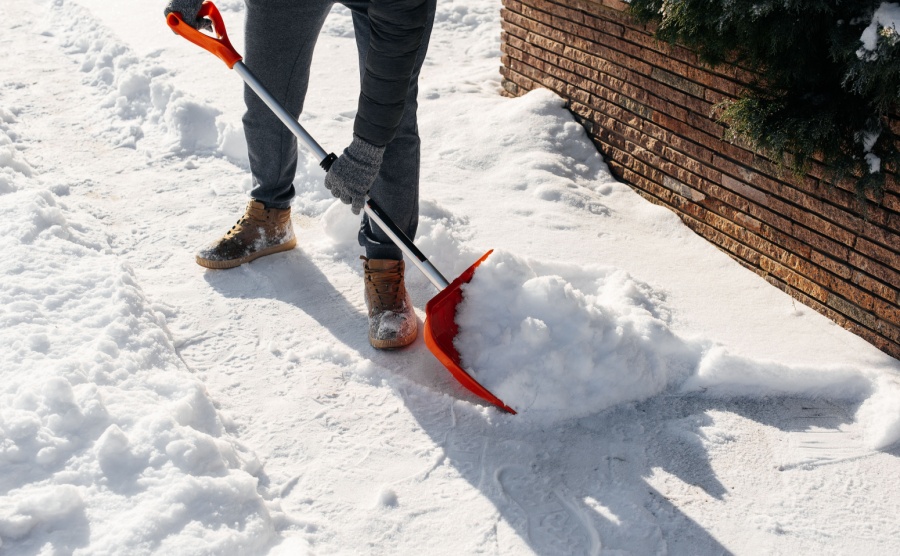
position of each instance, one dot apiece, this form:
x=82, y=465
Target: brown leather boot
x=261, y=231
x=392, y=321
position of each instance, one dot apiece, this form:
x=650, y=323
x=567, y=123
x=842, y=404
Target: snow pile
x=885, y=23
x=11, y=163
x=553, y=350
x=557, y=342
x=138, y=93
x=99, y=420
x=472, y=24
x=546, y=153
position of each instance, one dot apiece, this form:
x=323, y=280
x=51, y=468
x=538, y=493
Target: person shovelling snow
x=382, y=161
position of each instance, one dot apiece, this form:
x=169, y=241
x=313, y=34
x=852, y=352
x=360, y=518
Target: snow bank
x=546, y=153
x=100, y=422
x=557, y=342
x=11, y=163
x=138, y=94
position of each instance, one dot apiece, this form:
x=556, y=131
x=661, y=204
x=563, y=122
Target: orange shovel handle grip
x=218, y=45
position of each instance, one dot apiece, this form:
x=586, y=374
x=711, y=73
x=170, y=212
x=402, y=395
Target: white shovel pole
x=221, y=47
x=371, y=208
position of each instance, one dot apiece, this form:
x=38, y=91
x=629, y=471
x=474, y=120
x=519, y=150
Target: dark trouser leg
x=396, y=188
x=280, y=38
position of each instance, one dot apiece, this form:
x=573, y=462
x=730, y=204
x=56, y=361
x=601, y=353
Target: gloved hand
x=352, y=174
x=188, y=10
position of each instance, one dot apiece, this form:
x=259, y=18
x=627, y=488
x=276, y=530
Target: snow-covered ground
x=670, y=400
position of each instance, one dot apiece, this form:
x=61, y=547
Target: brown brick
x=768, y=246
x=851, y=310
x=857, y=296
x=682, y=129
x=723, y=241
x=890, y=258
x=627, y=56
x=878, y=338
x=676, y=186
x=875, y=287
x=822, y=243
x=832, y=265
x=774, y=221
x=582, y=111
x=822, y=226
x=748, y=222
x=892, y=202
x=745, y=190
x=678, y=82
x=726, y=196
x=536, y=73
x=559, y=10
x=725, y=152
x=874, y=268
x=887, y=238
x=510, y=87
x=690, y=148
x=793, y=279
x=683, y=62
x=892, y=333
x=523, y=83
x=616, y=5
x=827, y=218
x=682, y=200
x=894, y=124
x=892, y=182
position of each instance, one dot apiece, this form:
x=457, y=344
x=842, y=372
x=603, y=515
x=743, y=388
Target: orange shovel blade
x=441, y=329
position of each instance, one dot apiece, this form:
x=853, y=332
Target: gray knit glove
x=188, y=10
x=352, y=174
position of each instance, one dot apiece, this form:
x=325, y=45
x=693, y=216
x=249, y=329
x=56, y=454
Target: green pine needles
x=829, y=76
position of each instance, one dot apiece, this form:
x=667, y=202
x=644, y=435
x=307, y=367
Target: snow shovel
x=440, y=312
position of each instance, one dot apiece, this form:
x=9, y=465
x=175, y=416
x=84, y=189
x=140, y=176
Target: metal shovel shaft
x=372, y=209
x=406, y=245
x=279, y=110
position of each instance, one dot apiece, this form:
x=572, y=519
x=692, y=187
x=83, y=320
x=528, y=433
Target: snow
x=554, y=351
x=884, y=22
x=671, y=401
x=100, y=418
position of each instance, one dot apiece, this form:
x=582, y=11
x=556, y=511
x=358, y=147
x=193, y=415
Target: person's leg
x=392, y=320
x=280, y=37
x=396, y=188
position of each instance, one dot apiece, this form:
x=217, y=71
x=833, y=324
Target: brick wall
x=650, y=108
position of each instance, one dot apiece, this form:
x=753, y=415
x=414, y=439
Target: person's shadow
x=295, y=279
x=586, y=486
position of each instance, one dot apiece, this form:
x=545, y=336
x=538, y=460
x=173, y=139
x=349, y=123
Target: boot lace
x=243, y=220
x=386, y=288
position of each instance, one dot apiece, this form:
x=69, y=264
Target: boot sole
x=221, y=265
x=396, y=343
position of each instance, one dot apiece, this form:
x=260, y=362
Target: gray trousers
x=280, y=38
